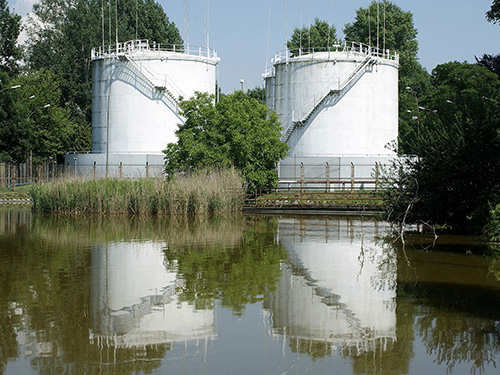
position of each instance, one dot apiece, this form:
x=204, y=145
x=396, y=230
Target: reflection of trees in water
x=459, y=325
x=454, y=299
x=175, y=230
x=236, y=275
x=45, y=276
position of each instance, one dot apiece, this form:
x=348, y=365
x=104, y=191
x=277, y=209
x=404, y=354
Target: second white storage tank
x=338, y=102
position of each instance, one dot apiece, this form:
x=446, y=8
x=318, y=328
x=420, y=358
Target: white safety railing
x=347, y=47
x=145, y=46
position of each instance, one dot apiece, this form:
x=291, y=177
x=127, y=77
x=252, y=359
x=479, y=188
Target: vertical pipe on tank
x=107, y=127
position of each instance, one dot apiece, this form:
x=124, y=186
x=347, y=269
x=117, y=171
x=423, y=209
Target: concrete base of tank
x=118, y=165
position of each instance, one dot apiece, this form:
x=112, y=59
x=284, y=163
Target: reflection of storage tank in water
x=135, y=91
x=341, y=102
x=334, y=288
x=134, y=301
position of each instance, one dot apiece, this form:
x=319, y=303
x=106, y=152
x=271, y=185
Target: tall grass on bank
x=203, y=192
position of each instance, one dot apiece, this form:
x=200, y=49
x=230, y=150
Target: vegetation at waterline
x=236, y=131
x=454, y=178
x=201, y=192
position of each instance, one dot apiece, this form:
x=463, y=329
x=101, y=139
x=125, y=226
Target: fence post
x=147, y=169
x=327, y=177
x=2, y=174
x=13, y=174
x=376, y=176
x=40, y=174
x=302, y=177
x=121, y=170
x=95, y=165
x=67, y=169
x=352, y=176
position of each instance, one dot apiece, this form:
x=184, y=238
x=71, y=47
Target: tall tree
x=388, y=26
x=318, y=37
x=456, y=177
x=237, y=130
x=493, y=15
x=10, y=52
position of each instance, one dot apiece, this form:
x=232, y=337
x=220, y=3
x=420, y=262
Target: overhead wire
x=268, y=36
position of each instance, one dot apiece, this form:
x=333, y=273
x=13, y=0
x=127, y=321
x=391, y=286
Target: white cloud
x=22, y=7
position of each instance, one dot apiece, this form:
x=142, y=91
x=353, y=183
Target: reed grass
x=201, y=192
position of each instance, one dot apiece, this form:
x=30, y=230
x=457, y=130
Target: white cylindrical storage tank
x=341, y=102
x=135, y=92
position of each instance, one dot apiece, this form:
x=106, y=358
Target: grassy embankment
x=20, y=195
x=199, y=193
x=335, y=200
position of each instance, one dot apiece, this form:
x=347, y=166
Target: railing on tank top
x=347, y=46
x=135, y=46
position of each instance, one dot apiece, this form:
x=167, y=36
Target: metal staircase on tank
x=291, y=124
x=167, y=97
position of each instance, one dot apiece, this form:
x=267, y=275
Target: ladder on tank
x=291, y=123
x=167, y=97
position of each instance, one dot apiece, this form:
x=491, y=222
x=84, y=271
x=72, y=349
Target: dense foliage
x=318, y=37
x=10, y=27
x=237, y=131
x=455, y=179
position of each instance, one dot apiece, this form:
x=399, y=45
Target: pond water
x=242, y=295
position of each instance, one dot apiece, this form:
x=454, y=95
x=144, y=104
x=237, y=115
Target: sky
x=247, y=33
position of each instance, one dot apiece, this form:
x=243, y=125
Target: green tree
x=456, y=177
x=399, y=34
x=34, y=122
x=10, y=52
x=13, y=131
x=319, y=37
x=237, y=130
x=493, y=15
x=258, y=93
